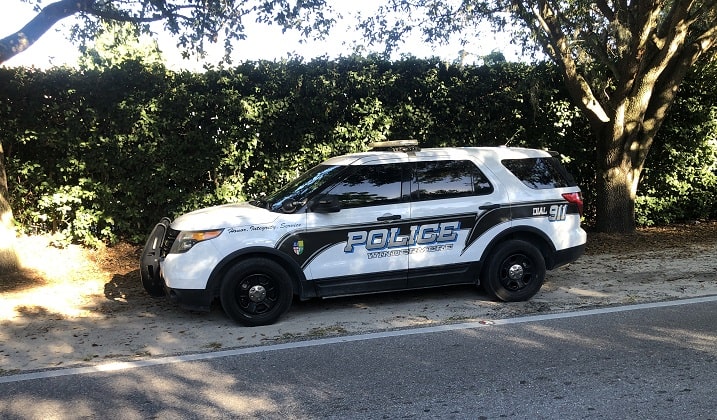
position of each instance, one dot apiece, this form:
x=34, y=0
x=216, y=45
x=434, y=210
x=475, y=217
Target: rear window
x=540, y=173
x=448, y=179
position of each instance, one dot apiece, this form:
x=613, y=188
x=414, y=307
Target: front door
x=357, y=237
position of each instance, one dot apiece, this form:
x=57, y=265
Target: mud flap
x=149, y=261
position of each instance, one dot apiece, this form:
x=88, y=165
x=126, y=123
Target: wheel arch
x=529, y=234
x=298, y=279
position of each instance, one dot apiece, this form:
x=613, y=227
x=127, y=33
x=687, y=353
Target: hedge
x=98, y=156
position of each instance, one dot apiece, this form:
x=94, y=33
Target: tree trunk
x=8, y=257
x=616, y=200
x=621, y=154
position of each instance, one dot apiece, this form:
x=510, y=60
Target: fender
x=301, y=286
x=545, y=246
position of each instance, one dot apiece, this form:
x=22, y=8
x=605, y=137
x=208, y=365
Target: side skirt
x=397, y=280
x=444, y=275
x=360, y=283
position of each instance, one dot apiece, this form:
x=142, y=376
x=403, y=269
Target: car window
x=540, y=173
x=302, y=187
x=369, y=185
x=448, y=179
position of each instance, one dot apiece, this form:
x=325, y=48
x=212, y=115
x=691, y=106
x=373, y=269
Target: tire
x=515, y=271
x=256, y=291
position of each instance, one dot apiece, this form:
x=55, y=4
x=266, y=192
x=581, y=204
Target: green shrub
x=96, y=156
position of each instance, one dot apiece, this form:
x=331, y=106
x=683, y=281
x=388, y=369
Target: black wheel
x=515, y=271
x=256, y=291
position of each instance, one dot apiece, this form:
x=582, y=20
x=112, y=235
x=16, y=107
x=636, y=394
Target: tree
x=192, y=22
x=117, y=43
x=622, y=62
x=8, y=259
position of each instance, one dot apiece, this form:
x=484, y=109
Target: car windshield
x=301, y=188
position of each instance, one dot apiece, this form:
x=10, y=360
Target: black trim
x=553, y=257
x=521, y=230
x=361, y=283
x=527, y=210
x=191, y=299
x=444, y=275
x=566, y=256
x=503, y=214
x=318, y=240
x=484, y=222
x=547, y=247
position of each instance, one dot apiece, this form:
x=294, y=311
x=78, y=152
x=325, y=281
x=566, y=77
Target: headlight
x=186, y=240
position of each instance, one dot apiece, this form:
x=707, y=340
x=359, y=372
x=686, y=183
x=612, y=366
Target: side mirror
x=289, y=205
x=325, y=204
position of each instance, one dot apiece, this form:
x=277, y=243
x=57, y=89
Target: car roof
x=441, y=153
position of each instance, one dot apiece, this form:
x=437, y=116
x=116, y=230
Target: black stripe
x=526, y=210
x=485, y=222
x=318, y=240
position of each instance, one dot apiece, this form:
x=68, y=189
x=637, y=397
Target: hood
x=224, y=216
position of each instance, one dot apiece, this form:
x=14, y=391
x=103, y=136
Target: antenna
x=520, y=129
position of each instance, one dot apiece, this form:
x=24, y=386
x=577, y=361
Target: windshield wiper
x=259, y=203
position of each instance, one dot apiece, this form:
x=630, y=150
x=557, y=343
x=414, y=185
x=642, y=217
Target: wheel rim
x=257, y=294
x=516, y=272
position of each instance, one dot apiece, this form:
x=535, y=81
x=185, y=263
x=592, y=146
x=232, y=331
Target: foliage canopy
x=194, y=23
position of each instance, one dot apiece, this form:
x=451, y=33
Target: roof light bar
x=395, y=145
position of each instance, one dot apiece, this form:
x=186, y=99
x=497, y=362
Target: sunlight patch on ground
x=65, y=281
x=36, y=253
x=62, y=301
x=585, y=292
x=680, y=338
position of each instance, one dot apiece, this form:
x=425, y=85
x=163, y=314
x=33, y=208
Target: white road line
x=117, y=366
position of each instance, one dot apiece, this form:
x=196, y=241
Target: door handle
x=489, y=206
x=389, y=217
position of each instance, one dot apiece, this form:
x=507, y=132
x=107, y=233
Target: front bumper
x=156, y=250
x=193, y=300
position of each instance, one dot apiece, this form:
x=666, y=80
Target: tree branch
x=30, y=33
x=635, y=49
x=605, y=10
x=557, y=43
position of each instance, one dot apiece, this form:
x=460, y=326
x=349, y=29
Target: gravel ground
x=73, y=307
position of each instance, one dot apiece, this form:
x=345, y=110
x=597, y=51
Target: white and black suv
x=397, y=217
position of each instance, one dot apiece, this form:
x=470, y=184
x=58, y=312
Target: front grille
x=169, y=239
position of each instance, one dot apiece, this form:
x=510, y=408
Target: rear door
x=456, y=209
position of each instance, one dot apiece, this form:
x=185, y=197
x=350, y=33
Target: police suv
x=396, y=217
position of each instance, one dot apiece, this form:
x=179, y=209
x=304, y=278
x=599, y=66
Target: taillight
x=575, y=198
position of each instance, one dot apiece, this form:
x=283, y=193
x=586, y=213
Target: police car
x=396, y=217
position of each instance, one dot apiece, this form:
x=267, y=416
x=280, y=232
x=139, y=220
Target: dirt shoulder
x=73, y=307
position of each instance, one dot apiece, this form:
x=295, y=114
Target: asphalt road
x=657, y=362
